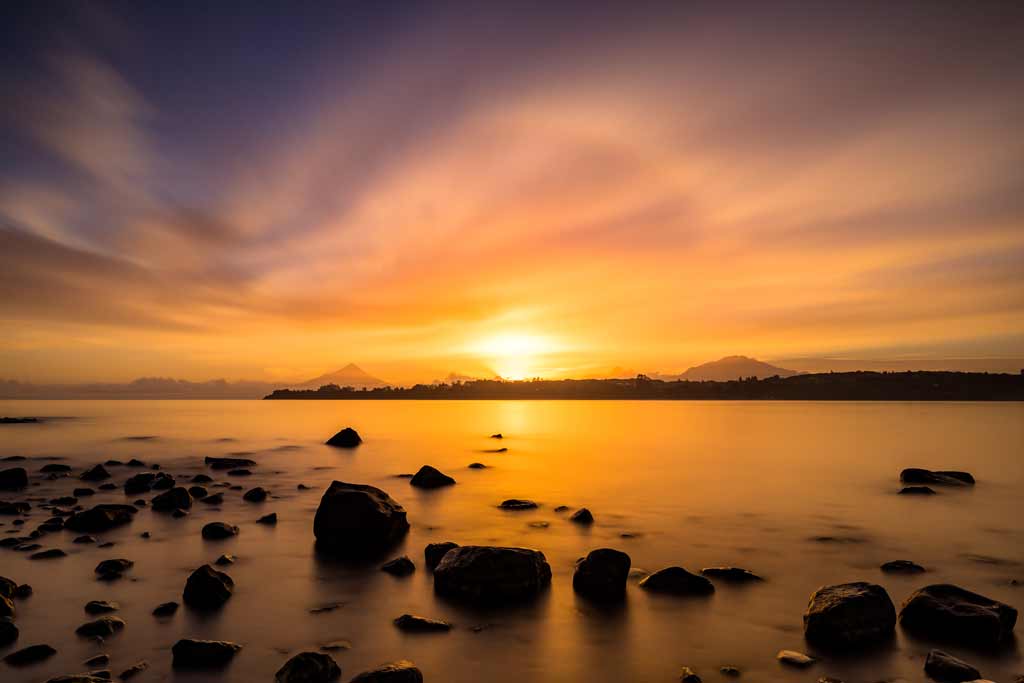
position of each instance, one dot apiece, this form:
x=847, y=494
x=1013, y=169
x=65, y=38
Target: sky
x=269, y=192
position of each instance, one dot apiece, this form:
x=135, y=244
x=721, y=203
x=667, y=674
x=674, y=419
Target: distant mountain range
x=733, y=367
x=349, y=376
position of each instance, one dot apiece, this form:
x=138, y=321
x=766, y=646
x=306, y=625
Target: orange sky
x=646, y=196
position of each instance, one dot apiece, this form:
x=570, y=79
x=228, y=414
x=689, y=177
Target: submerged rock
x=268, y=520
x=346, y=438
x=308, y=667
x=917, y=491
x=430, y=478
x=255, y=495
x=412, y=622
x=358, y=519
x=397, y=672
x=477, y=466
x=103, y=627
x=901, y=567
x=113, y=569
x=517, y=504
x=228, y=463
x=400, y=566
x=207, y=588
x=677, y=581
x=201, y=654
x=50, y=554
x=582, y=516
x=95, y=473
x=7, y=609
x=165, y=609
x=177, y=498
x=100, y=518
x=13, y=479
x=30, y=655
x=949, y=613
x=731, y=574
x=916, y=475
x=491, y=574
x=215, y=531
x=849, y=614
x=946, y=668
x=101, y=607
x=602, y=574
x=214, y=499
x=433, y=553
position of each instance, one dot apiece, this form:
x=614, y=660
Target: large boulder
x=207, y=588
x=917, y=475
x=177, y=498
x=430, y=478
x=13, y=479
x=396, y=672
x=952, y=614
x=346, y=438
x=433, y=553
x=308, y=667
x=944, y=667
x=100, y=518
x=203, y=654
x=358, y=519
x=677, y=581
x=490, y=574
x=602, y=574
x=849, y=614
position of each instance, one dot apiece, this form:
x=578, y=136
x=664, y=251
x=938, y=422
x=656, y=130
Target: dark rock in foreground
x=902, y=567
x=433, y=553
x=30, y=655
x=731, y=574
x=215, y=531
x=103, y=627
x=916, y=475
x=13, y=479
x=414, y=623
x=949, y=613
x=202, y=654
x=430, y=478
x=489, y=574
x=308, y=667
x=849, y=614
x=357, y=519
x=582, y=516
x=207, y=588
x=396, y=672
x=346, y=438
x=677, y=581
x=100, y=518
x=946, y=668
x=602, y=574
x=400, y=566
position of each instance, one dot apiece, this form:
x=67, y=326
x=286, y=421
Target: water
x=698, y=484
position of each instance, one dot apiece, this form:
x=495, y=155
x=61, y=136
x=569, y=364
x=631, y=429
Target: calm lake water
x=696, y=484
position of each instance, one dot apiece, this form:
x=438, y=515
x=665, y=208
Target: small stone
x=677, y=581
x=95, y=473
x=308, y=667
x=200, y=654
x=794, y=658
x=30, y=655
x=97, y=661
x=207, y=588
x=255, y=495
x=165, y=609
x=517, y=504
x=134, y=669
x=115, y=566
x=268, y=520
x=101, y=628
x=225, y=560
x=582, y=516
x=400, y=566
x=731, y=574
x=49, y=554
x=731, y=671
x=215, y=531
x=477, y=466
x=346, y=438
x=430, y=478
x=101, y=607
x=917, y=491
x=8, y=631
x=214, y=499
x=84, y=539
x=687, y=675
x=901, y=567
x=396, y=672
x=412, y=622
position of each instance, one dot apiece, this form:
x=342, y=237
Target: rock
x=202, y=654
x=582, y=516
x=178, y=513
x=240, y=472
x=8, y=631
x=849, y=614
x=308, y=667
x=135, y=462
x=103, y=627
x=134, y=669
x=98, y=660
x=30, y=655
x=108, y=569
x=23, y=591
x=687, y=675
x=52, y=467
x=346, y=438
x=433, y=553
x=225, y=560
x=396, y=672
x=794, y=658
x=215, y=531
x=303, y=487
x=729, y=671
x=901, y=567
x=13, y=508
x=517, y=504
x=602, y=574
x=677, y=581
x=177, y=498
x=497, y=436
x=915, y=475
x=95, y=473
x=101, y=607
x=430, y=478
x=949, y=613
x=268, y=520
x=7, y=607
x=412, y=622
x=83, y=492
x=917, y=491
x=944, y=667
x=202, y=479
x=256, y=495
x=400, y=566
x=358, y=519
x=100, y=518
x=490, y=574
x=13, y=479
x=228, y=463
x=207, y=588
x=477, y=466
x=50, y=554
x=109, y=486
x=198, y=492
x=7, y=587
x=731, y=574
x=165, y=609
x=215, y=499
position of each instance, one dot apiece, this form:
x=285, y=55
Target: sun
x=516, y=355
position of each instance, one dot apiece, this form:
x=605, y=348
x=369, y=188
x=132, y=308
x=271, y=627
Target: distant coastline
x=834, y=386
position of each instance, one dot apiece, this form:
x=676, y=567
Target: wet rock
x=308, y=667
x=731, y=671
x=268, y=520
x=202, y=479
x=901, y=567
x=215, y=531
x=100, y=518
x=256, y=495
x=433, y=553
x=602, y=574
x=499, y=435
x=582, y=516
x=23, y=591
x=517, y=504
x=163, y=481
x=198, y=492
x=225, y=560
x=52, y=467
x=946, y=668
x=13, y=508
x=477, y=466
x=13, y=479
x=731, y=574
x=677, y=581
x=917, y=491
x=109, y=486
x=6, y=607
x=101, y=607
x=135, y=462
x=418, y=624
x=207, y=588
x=7, y=587
x=303, y=487
x=358, y=519
x=794, y=658
x=104, y=627
x=203, y=654
x=165, y=609
x=400, y=566
x=491, y=574
x=98, y=660
x=95, y=473
x=346, y=438
x=916, y=475
x=849, y=614
x=215, y=499
x=240, y=472
x=178, y=513
x=49, y=554
x=108, y=544
x=110, y=570
x=688, y=675
x=134, y=670
x=396, y=672
x=228, y=463
x=949, y=613
x=177, y=498
x=30, y=655
x=430, y=478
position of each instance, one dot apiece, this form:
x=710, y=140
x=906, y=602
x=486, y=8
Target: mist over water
x=803, y=494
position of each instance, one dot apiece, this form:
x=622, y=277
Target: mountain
x=349, y=376
x=734, y=367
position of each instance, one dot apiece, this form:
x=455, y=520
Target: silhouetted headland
x=833, y=386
